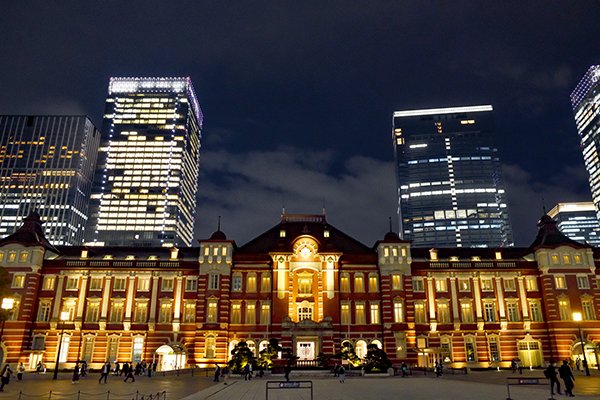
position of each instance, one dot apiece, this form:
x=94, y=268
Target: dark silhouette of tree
x=348, y=353
x=241, y=355
x=376, y=359
x=270, y=353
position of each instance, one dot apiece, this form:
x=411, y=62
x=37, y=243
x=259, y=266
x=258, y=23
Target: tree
x=376, y=359
x=241, y=355
x=348, y=353
x=268, y=354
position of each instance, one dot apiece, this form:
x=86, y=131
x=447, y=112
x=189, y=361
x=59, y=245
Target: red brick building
x=307, y=284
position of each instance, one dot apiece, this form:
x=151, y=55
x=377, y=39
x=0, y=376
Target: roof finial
x=282, y=205
x=324, y=208
x=219, y=224
x=543, y=205
x=390, y=220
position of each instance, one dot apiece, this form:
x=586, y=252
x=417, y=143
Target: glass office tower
x=47, y=165
x=147, y=177
x=450, y=189
x=585, y=100
x=578, y=221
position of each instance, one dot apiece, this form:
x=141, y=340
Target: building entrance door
x=305, y=350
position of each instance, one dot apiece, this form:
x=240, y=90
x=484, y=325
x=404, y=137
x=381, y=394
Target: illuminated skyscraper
x=146, y=181
x=578, y=221
x=47, y=165
x=450, y=190
x=585, y=100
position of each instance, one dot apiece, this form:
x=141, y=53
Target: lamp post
x=578, y=318
x=7, y=305
x=63, y=317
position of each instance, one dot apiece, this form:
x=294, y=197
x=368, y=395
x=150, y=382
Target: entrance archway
x=590, y=354
x=170, y=357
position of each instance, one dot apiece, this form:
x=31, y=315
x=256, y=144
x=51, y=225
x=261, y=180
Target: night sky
x=298, y=95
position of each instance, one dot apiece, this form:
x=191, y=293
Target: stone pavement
x=475, y=386
x=37, y=387
x=457, y=387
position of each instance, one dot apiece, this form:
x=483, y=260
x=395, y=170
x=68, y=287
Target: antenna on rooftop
x=219, y=224
x=390, y=220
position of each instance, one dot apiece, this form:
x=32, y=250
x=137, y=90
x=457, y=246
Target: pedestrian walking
x=117, y=368
x=129, y=373
x=551, y=374
x=439, y=369
x=5, y=376
x=342, y=374
x=75, y=378
x=336, y=370
x=566, y=373
x=513, y=365
x=84, y=368
x=104, y=371
x=578, y=364
x=225, y=374
x=217, y=374
x=287, y=370
x=20, y=371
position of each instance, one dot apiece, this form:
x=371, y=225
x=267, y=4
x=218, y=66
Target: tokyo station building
x=307, y=284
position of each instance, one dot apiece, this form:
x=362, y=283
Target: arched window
x=361, y=349
x=378, y=344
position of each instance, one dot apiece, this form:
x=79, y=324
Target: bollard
x=78, y=394
x=108, y=395
x=50, y=395
x=466, y=371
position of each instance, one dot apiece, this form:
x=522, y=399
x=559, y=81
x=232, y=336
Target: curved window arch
x=378, y=343
x=361, y=349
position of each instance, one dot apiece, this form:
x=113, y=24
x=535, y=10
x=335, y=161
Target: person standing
x=129, y=373
x=75, y=378
x=287, y=370
x=404, y=369
x=20, y=371
x=5, y=376
x=104, y=371
x=578, y=364
x=217, y=373
x=83, y=371
x=551, y=374
x=342, y=374
x=566, y=373
x=117, y=368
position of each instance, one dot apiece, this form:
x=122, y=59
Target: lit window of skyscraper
x=450, y=189
x=47, y=165
x=146, y=181
x=577, y=221
x=585, y=100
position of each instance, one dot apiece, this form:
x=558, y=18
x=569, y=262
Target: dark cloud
x=250, y=189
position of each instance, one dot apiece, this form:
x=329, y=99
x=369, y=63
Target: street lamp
x=578, y=318
x=7, y=304
x=64, y=316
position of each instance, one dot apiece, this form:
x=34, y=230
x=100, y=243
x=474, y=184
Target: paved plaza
x=475, y=386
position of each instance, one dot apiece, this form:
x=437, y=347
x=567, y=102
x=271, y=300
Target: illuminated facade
x=578, y=221
x=147, y=176
x=47, y=164
x=307, y=284
x=450, y=188
x=585, y=100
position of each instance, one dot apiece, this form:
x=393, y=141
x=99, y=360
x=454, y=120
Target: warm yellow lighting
x=577, y=317
x=8, y=303
x=64, y=316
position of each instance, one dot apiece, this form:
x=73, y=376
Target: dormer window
x=282, y=233
x=454, y=258
x=498, y=255
x=107, y=257
x=326, y=233
x=130, y=257
x=152, y=258
x=433, y=254
x=475, y=258
x=84, y=253
x=174, y=253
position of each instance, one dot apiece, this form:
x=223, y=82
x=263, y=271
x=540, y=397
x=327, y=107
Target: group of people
x=128, y=370
x=566, y=374
x=7, y=373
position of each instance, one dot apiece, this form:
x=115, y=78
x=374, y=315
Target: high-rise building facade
x=578, y=221
x=450, y=188
x=47, y=165
x=585, y=100
x=147, y=176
